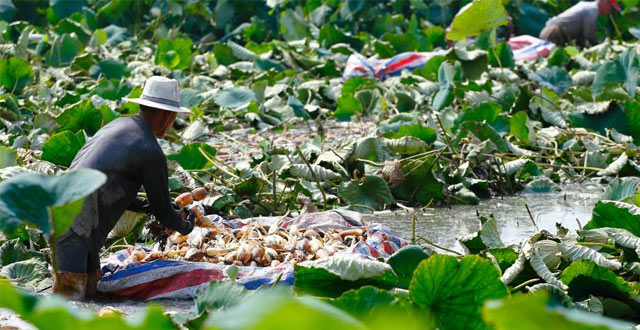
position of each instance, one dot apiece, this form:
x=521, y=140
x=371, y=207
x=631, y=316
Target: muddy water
x=571, y=208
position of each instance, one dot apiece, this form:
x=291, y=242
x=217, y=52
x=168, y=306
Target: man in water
x=578, y=23
x=126, y=150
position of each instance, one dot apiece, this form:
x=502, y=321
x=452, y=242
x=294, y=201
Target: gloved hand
x=183, y=213
x=140, y=205
x=189, y=222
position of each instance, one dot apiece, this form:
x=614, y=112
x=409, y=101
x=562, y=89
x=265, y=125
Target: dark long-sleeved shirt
x=127, y=151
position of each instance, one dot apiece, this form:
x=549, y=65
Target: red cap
x=615, y=4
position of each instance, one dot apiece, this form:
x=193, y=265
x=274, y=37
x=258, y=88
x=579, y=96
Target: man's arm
x=155, y=182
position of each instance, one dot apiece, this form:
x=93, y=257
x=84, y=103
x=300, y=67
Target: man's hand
x=140, y=205
x=189, y=222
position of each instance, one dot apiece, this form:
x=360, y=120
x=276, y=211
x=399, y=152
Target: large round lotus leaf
x=62, y=147
x=347, y=106
x=453, y=292
x=480, y=16
x=65, y=49
x=82, y=116
x=55, y=313
x=34, y=197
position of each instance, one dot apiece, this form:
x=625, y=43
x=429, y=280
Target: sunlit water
x=571, y=208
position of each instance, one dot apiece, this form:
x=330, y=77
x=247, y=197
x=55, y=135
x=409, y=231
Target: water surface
x=570, y=207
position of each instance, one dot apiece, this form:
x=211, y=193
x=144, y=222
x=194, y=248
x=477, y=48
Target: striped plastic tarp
x=183, y=279
x=524, y=48
x=528, y=48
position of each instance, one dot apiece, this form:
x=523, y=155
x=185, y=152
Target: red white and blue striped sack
x=528, y=48
x=524, y=48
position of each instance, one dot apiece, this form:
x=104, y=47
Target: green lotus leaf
x=623, y=70
x=424, y=133
x=62, y=147
x=371, y=191
x=65, y=49
x=12, y=251
x=504, y=58
x=453, y=291
x=82, y=116
x=621, y=189
x=7, y=10
x=49, y=202
x=221, y=294
x=15, y=74
x=191, y=158
x=319, y=173
x=555, y=78
x=174, y=54
x=481, y=16
x=330, y=277
x=8, y=157
x=110, y=68
x=235, y=98
x=347, y=106
x=405, y=261
x=615, y=214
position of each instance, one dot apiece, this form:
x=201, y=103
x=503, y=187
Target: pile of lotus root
x=252, y=245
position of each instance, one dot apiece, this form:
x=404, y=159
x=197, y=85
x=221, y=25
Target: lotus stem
x=439, y=247
x=313, y=174
x=525, y=283
x=215, y=162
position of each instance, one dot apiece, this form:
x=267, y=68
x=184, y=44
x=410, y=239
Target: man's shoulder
x=589, y=7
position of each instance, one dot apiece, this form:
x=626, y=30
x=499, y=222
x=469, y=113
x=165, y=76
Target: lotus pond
x=515, y=181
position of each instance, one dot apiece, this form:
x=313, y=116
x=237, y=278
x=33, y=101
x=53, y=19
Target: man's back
x=578, y=22
x=122, y=149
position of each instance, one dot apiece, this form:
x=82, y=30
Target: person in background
x=126, y=150
x=578, y=23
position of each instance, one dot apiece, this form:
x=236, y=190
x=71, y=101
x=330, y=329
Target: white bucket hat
x=161, y=93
